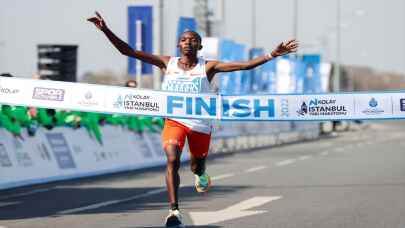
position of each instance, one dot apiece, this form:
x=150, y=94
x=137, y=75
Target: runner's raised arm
x=283, y=48
x=124, y=48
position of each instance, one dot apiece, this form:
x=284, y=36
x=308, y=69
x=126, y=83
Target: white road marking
x=285, y=162
x=27, y=193
x=3, y=227
x=223, y=176
x=111, y=202
x=235, y=211
x=254, y=169
x=305, y=157
x=146, y=194
x=5, y=204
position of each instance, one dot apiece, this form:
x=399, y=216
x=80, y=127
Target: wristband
x=268, y=56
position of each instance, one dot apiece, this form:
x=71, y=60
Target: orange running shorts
x=175, y=133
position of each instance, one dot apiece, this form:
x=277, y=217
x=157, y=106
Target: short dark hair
x=194, y=33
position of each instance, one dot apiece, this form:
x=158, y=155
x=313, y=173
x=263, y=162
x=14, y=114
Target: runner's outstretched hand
x=285, y=48
x=98, y=21
x=125, y=49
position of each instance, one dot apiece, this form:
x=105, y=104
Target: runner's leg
x=173, y=139
x=199, y=146
x=173, y=153
x=197, y=165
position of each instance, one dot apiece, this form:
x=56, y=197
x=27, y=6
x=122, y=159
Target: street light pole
x=138, y=47
x=336, y=76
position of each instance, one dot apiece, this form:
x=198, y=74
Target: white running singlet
x=191, y=81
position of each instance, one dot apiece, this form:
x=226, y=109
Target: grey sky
x=372, y=31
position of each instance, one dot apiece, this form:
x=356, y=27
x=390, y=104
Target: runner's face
x=189, y=44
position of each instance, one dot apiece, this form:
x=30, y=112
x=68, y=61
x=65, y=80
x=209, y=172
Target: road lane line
x=223, y=176
x=285, y=162
x=5, y=204
x=146, y=194
x=254, y=169
x=305, y=157
x=27, y=193
x=111, y=202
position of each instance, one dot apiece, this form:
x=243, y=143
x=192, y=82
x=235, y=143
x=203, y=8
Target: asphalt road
x=356, y=179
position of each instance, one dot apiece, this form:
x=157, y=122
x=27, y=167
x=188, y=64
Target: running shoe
x=173, y=220
x=202, y=183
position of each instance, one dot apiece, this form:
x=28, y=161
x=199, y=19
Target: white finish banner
x=281, y=107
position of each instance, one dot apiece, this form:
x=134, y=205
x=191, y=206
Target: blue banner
x=256, y=73
x=225, y=55
x=231, y=83
x=243, y=79
x=300, y=75
x=269, y=77
x=143, y=13
x=312, y=82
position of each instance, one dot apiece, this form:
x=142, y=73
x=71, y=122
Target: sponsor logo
x=88, y=100
x=303, y=110
x=119, y=102
x=88, y=95
x=240, y=108
x=4, y=159
x=5, y=90
x=50, y=94
x=23, y=157
x=44, y=152
x=284, y=108
x=136, y=102
x=373, y=108
x=182, y=85
x=402, y=104
x=322, y=107
x=61, y=150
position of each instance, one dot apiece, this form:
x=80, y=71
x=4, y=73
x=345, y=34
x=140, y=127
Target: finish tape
x=258, y=107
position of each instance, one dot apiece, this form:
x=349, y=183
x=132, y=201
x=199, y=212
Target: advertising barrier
x=280, y=107
x=65, y=153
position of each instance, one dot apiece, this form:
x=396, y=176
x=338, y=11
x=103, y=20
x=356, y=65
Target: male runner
x=188, y=74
